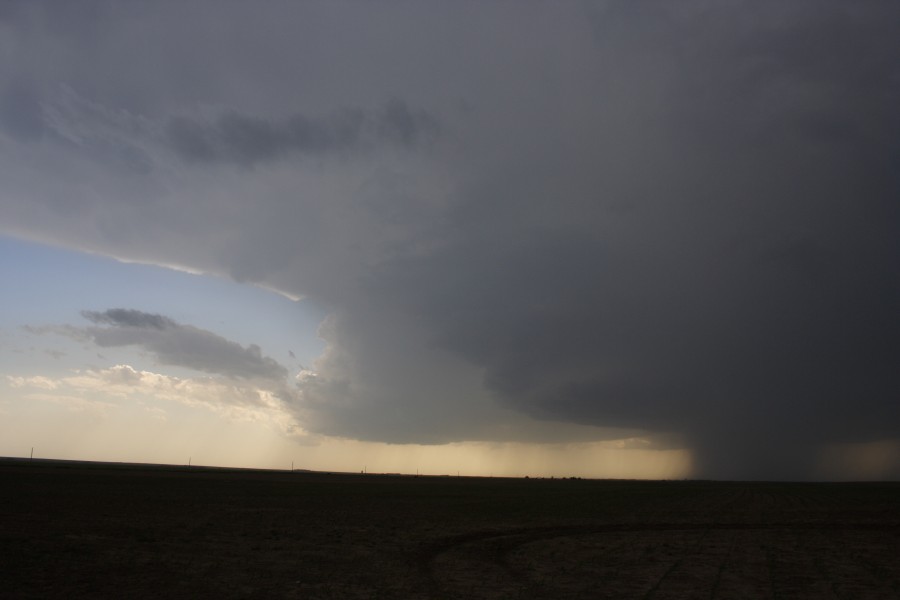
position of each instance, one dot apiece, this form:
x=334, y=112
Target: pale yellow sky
x=88, y=416
x=83, y=417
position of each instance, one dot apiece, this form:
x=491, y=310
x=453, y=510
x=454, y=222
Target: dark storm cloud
x=724, y=263
x=124, y=317
x=247, y=140
x=175, y=344
x=21, y=115
x=678, y=219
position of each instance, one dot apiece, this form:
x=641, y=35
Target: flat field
x=127, y=531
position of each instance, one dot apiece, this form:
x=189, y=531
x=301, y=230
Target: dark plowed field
x=81, y=530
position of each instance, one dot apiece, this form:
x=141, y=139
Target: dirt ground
x=102, y=531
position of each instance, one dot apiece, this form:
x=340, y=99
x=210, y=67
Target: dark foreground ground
x=90, y=530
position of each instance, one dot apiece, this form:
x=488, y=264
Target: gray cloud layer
x=247, y=140
x=679, y=218
x=179, y=345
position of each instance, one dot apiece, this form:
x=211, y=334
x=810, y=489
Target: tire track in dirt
x=649, y=593
x=483, y=556
x=715, y=586
x=839, y=563
x=823, y=573
x=694, y=551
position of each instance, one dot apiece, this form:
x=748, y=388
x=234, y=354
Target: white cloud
x=233, y=400
x=38, y=381
x=73, y=403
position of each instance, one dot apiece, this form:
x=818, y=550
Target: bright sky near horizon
x=66, y=398
x=611, y=239
x=63, y=398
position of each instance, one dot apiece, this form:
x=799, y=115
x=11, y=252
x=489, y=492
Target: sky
x=603, y=239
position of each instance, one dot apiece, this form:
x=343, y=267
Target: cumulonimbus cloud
x=671, y=218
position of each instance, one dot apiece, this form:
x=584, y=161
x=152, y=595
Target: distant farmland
x=94, y=530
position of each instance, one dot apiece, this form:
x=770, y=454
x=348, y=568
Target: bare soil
x=128, y=531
